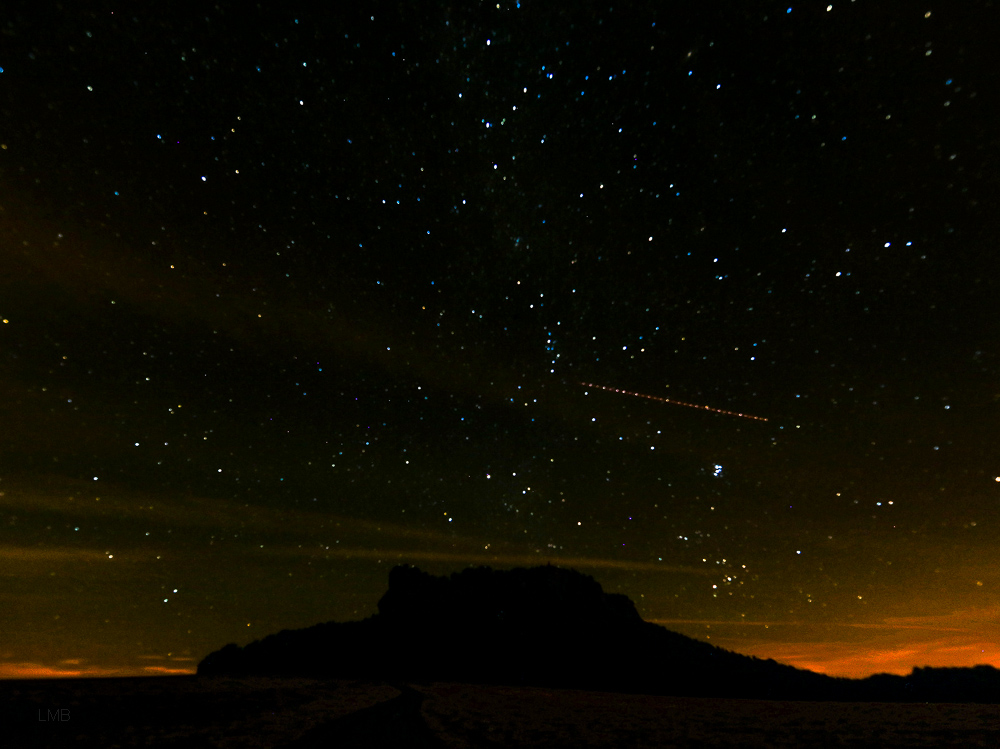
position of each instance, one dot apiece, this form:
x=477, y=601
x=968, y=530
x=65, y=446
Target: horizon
x=831, y=659
x=698, y=300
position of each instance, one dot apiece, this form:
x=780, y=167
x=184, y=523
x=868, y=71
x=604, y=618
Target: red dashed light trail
x=672, y=401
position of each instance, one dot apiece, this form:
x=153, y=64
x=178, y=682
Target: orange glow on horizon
x=840, y=659
x=961, y=638
x=27, y=670
x=855, y=661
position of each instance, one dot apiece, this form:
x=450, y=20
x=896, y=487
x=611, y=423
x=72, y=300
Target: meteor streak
x=671, y=400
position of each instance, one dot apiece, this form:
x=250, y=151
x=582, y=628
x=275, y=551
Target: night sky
x=290, y=297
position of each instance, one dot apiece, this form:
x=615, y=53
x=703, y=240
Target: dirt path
x=397, y=722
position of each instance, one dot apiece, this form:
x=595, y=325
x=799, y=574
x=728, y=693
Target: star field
x=290, y=296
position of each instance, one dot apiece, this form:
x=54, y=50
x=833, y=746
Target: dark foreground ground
x=193, y=711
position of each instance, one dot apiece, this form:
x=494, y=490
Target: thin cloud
x=398, y=556
x=80, y=499
x=164, y=671
x=886, y=624
x=35, y=554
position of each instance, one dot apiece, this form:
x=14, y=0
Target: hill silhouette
x=554, y=627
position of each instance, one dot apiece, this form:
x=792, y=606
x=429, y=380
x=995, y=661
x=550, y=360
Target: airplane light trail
x=672, y=401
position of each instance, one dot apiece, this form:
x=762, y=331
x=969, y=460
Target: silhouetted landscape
x=538, y=657
x=553, y=627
